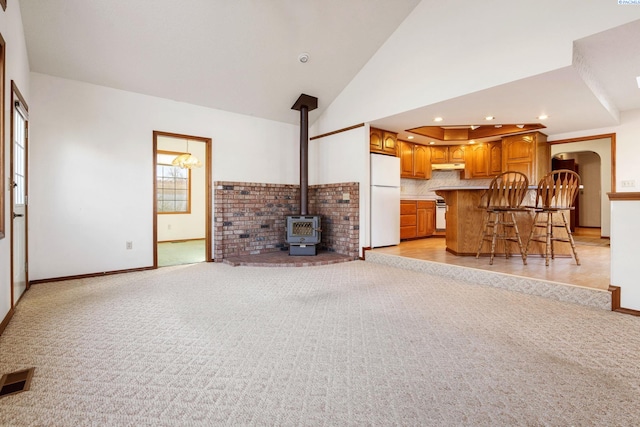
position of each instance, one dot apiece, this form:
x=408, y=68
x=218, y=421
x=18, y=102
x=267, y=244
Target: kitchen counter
x=472, y=187
x=409, y=197
x=465, y=216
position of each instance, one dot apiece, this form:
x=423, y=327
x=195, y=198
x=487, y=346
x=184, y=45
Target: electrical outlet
x=129, y=245
x=628, y=183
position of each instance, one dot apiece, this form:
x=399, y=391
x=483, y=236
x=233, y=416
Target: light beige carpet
x=355, y=343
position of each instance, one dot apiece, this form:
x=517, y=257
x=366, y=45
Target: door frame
x=208, y=191
x=2, y=132
x=16, y=96
x=612, y=139
x=612, y=148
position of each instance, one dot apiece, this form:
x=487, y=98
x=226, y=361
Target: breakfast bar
x=464, y=217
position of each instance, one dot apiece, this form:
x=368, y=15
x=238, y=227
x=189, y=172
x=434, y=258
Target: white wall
x=16, y=69
x=625, y=268
x=92, y=169
x=191, y=225
x=344, y=157
x=602, y=147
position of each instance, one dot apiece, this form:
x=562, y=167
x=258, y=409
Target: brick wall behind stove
x=340, y=218
x=250, y=218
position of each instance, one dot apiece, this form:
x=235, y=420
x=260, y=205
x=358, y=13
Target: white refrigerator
x=385, y=200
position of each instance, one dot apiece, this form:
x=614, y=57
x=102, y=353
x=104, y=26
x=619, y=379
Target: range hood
x=447, y=166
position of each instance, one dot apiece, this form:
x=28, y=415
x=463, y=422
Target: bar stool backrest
x=507, y=190
x=558, y=189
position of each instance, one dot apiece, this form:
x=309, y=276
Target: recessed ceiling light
x=474, y=127
x=303, y=57
x=437, y=119
x=520, y=126
x=432, y=142
x=543, y=117
x=410, y=137
x=471, y=141
x=497, y=126
x=489, y=118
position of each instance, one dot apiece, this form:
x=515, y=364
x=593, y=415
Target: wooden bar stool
x=502, y=200
x=556, y=193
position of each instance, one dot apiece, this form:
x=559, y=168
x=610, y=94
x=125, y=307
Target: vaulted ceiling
x=234, y=55
x=243, y=56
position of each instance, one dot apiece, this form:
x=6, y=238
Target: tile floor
x=181, y=252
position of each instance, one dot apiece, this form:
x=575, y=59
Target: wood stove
x=303, y=234
x=303, y=231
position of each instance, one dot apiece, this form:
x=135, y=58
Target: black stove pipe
x=304, y=160
x=304, y=104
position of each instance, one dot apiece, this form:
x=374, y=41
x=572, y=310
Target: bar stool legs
x=500, y=222
x=548, y=237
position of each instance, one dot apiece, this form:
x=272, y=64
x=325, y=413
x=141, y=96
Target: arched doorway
x=588, y=165
x=604, y=147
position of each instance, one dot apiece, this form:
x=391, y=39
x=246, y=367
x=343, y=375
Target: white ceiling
x=234, y=55
x=242, y=56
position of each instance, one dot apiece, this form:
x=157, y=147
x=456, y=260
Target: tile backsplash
x=424, y=188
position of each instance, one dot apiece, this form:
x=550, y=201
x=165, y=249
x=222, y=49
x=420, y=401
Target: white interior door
x=19, y=200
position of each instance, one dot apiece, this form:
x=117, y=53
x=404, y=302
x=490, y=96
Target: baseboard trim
x=86, y=276
x=6, y=320
x=615, y=302
x=181, y=240
x=628, y=311
x=615, y=297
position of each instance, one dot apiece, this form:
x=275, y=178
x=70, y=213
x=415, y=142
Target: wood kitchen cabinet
x=425, y=218
x=415, y=160
x=408, y=219
x=457, y=153
x=448, y=154
x=439, y=154
x=483, y=160
x=417, y=218
x=383, y=142
x=527, y=153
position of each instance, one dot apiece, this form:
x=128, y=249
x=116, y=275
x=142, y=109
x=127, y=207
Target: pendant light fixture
x=186, y=160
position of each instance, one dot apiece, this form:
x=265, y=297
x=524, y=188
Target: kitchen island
x=465, y=216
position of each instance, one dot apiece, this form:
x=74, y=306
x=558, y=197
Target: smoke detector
x=303, y=57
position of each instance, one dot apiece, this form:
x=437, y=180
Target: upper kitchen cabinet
x=383, y=142
x=527, y=153
x=447, y=154
x=439, y=154
x=457, y=153
x=421, y=162
x=483, y=160
x=414, y=160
